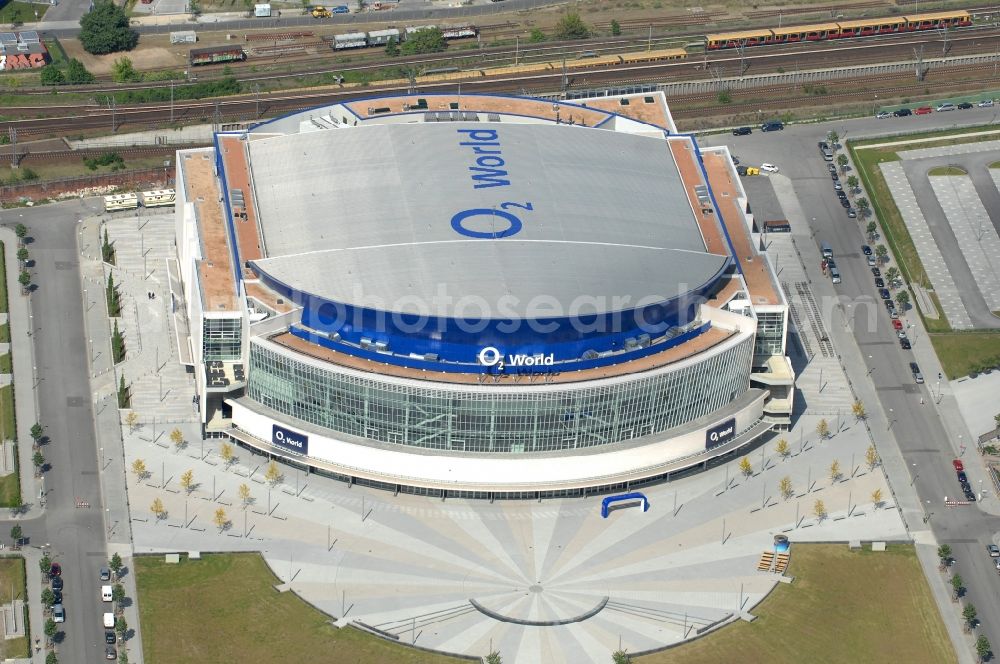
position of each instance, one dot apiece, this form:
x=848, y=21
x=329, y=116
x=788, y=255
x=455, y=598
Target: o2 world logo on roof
x=492, y=357
x=488, y=171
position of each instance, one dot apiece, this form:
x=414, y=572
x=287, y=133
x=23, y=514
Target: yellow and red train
x=867, y=27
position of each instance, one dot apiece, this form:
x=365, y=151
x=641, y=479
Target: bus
x=121, y=202
x=158, y=198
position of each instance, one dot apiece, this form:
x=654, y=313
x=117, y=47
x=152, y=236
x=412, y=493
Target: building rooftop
x=237, y=170
x=218, y=283
x=388, y=216
x=539, y=108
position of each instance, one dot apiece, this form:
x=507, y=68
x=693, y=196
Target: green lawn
x=12, y=575
x=21, y=12
x=963, y=352
x=7, y=421
x=5, y=364
x=947, y=170
x=5, y=333
x=223, y=609
x=3, y=280
x=844, y=606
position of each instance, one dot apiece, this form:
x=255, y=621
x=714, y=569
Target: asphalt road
x=922, y=439
x=76, y=536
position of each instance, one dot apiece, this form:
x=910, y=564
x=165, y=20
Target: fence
x=154, y=178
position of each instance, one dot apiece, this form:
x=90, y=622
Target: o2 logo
x=501, y=223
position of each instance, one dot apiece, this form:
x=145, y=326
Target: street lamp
x=875, y=105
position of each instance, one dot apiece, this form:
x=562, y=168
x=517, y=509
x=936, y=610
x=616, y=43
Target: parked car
x=884, y=293
x=768, y=168
x=958, y=465
x=844, y=203
x=58, y=613
x=109, y=636
x=962, y=478
x=57, y=597
x=871, y=261
x=823, y=145
x=105, y=574
x=946, y=107
x=841, y=193
x=851, y=214
x=830, y=263
x=736, y=160
x=970, y=495
x=993, y=550
x=876, y=272
x=742, y=131
x=773, y=125
x=898, y=325
x=986, y=103
x=866, y=250
x=55, y=570
x=915, y=370
x=834, y=176
x=879, y=282
x=965, y=106
x=832, y=168
x=905, y=344
x=57, y=583
x=110, y=652
x=883, y=115
x=924, y=110
x=902, y=112
x=893, y=314
x=837, y=186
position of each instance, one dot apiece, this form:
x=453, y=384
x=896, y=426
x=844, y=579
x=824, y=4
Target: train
x=212, y=55
x=382, y=37
x=149, y=199
x=867, y=27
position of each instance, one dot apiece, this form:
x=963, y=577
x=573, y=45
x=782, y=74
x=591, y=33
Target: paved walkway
x=974, y=232
x=930, y=255
x=949, y=150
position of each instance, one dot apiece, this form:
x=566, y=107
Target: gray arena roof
x=364, y=215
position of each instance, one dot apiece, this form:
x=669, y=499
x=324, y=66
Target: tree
x=863, y=205
x=21, y=231
x=871, y=457
x=842, y=162
x=22, y=255
x=746, y=467
x=494, y=658
x=858, y=408
x=273, y=474
x=51, y=658
x=956, y=584
x=871, y=228
x=852, y=182
x=902, y=299
x=616, y=28
x=107, y=249
x=220, y=519
x=785, y=487
x=882, y=253
x=120, y=626
x=36, y=432
x=177, y=437
x=823, y=429
x=39, y=460
x=969, y=613
x=122, y=70
x=944, y=553
x=105, y=29
x=24, y=279
x=536, y=36
x=835, y=471
x=132, y=420
x=781, y=447
x=118, y=595
x=45, y=564
x=621, y=657
x=892, y=275
x=392, y=47
x=833, y=137
x=226, y=454
x=77, y=74
x=52, y=75
x=50, y=629
x=115, y=564
x=157, y=508
x=877, y=497
x=122, y=656
x=571, y=26
x=244, y=493
x=48, y=598
x=187, y=480
x=983, y=648
x=819, y=509
x=123, y=395
x=117, y=344
x=139, y=468
x=16, y=533
x=428, y=40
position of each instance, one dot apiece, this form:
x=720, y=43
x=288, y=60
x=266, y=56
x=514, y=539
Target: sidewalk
x=107, y=421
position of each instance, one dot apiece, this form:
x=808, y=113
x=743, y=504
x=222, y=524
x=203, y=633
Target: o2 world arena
x=478, y=296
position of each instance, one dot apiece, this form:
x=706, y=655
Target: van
x=106, y=593
x=834, y=275
x=109, y=620
x=826, y=250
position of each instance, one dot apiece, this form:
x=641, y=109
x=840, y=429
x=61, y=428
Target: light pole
x=875, y=105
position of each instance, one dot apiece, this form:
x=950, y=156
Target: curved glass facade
x=502, y=420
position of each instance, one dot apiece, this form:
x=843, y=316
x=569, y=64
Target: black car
x=741, y=170
x=736, y=160
x=962, y=477
x=834, y=176
x=876, y=272
x=879, y=283
x=109, y=636
x=841, y=193
x=742, y=131
x=57, y=583
x=831, y=168
x=844, y=203
x=57, y=594
x=830, y=263
x=903, y=112
x=866, y=250
x=773, y=125
x=884, y=293
x=851, y=214
x=823, y=145
x=965, y=105
x=905, y=343
x=970, y=496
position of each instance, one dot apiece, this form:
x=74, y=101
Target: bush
x=105, y=29
x=52, y=75
x=428, y=40
x=571, y=26
x=77, y=74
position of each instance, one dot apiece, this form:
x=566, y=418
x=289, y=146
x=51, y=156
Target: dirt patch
x=145, y=57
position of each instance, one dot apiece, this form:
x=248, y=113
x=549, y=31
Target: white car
x=769, y=168
x=986, y=103
x=883, y=115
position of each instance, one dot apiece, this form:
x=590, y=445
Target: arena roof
x=365, y=215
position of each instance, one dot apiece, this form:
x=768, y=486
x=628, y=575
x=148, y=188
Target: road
x=77, y=536
x=925, y=444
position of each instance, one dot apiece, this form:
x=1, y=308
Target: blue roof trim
x=230, y=228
